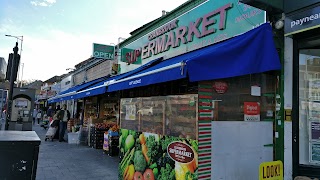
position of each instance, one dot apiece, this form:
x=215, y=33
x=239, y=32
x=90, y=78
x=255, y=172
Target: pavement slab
x=63, y=161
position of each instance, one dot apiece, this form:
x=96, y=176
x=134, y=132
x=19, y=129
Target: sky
x=58, y=34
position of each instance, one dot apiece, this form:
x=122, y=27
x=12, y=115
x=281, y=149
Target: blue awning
x=249, y=53
x=101, y=87
x=71, y=92
x=168, y=70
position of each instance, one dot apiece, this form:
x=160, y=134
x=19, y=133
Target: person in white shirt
x=39, y=116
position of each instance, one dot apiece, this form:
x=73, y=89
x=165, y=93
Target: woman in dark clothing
x=57, y=124
x=57, y=109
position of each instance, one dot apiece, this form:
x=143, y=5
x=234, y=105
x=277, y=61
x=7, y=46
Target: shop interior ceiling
x=312, y=52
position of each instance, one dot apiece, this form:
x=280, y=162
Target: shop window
x=181, y=116
x=151, y=114
x=108, y=109
x=67, y=82
x=245, y=98
x=309, y=106
x=128, y=114
x=171, y=115
x=91, y=111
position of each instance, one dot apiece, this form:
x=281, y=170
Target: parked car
x=149, y=110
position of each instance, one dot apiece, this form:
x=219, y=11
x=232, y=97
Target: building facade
x=302, y=43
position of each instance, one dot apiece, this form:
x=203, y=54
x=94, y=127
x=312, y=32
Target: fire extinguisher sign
x=271, y=170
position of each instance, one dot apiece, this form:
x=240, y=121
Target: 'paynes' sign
x=303, y=21
x=103, y=51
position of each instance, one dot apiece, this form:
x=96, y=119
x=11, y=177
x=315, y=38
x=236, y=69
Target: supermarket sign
x=271, y=170
x=103, y=51
x=180, y=152
x=209, y=23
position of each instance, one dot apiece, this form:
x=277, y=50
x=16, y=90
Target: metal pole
x=1, y=102
x=22, y=64
x=21, y=39
x=118, y=46
x=9, y=105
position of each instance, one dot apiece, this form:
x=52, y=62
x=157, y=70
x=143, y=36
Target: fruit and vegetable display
x=115, y=128
x=149, y=156
x=105, y=125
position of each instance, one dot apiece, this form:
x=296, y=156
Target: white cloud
x=51, y=1
x=43, y=3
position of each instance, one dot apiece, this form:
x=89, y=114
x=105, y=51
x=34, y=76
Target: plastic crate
x=111, y=133
x=113, y=151
x=73, y=138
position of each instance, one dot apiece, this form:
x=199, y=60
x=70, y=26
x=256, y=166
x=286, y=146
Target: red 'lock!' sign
x=220, y=87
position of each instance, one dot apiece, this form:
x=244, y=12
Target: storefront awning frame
x=248, y=53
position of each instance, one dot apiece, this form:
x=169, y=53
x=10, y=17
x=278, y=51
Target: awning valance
x=249, y=53
x=101, y=87
x=70, y=93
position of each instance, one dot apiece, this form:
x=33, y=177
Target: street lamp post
x=114, y=50
x=21, y=39
x=9, y=102
x=118, y=46
x=22, y=64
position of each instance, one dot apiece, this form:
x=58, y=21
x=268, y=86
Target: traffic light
x=8, y=73
x=15, y=63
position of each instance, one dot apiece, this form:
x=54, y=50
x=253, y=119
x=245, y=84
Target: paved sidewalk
x=63, y=161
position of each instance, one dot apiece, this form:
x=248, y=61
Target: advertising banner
x=251, y=111
x=152, y=156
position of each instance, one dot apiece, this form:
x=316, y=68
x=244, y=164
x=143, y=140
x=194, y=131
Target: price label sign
x=271, y=170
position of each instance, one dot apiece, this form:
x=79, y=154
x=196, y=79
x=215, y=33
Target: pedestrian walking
x=64, y=117
x=57, y=109
x=50, y=112
x=39, y=116
x=4, y=114
x=34, y=115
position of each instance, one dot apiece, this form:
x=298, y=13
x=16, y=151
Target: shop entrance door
x=242, y=130
x=306, y=105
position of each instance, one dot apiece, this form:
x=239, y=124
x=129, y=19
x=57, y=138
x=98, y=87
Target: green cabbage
x=139, y=161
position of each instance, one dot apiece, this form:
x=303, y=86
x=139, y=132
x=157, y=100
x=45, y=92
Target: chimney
x=163, y=12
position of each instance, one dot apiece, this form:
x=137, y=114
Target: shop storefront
x=206, y=109
x=89, y=112
x=99, y=116
x=303, y=43
x=197, y=95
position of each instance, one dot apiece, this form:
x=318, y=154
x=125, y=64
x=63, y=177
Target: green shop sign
x=103, y=51
x=206, y=24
